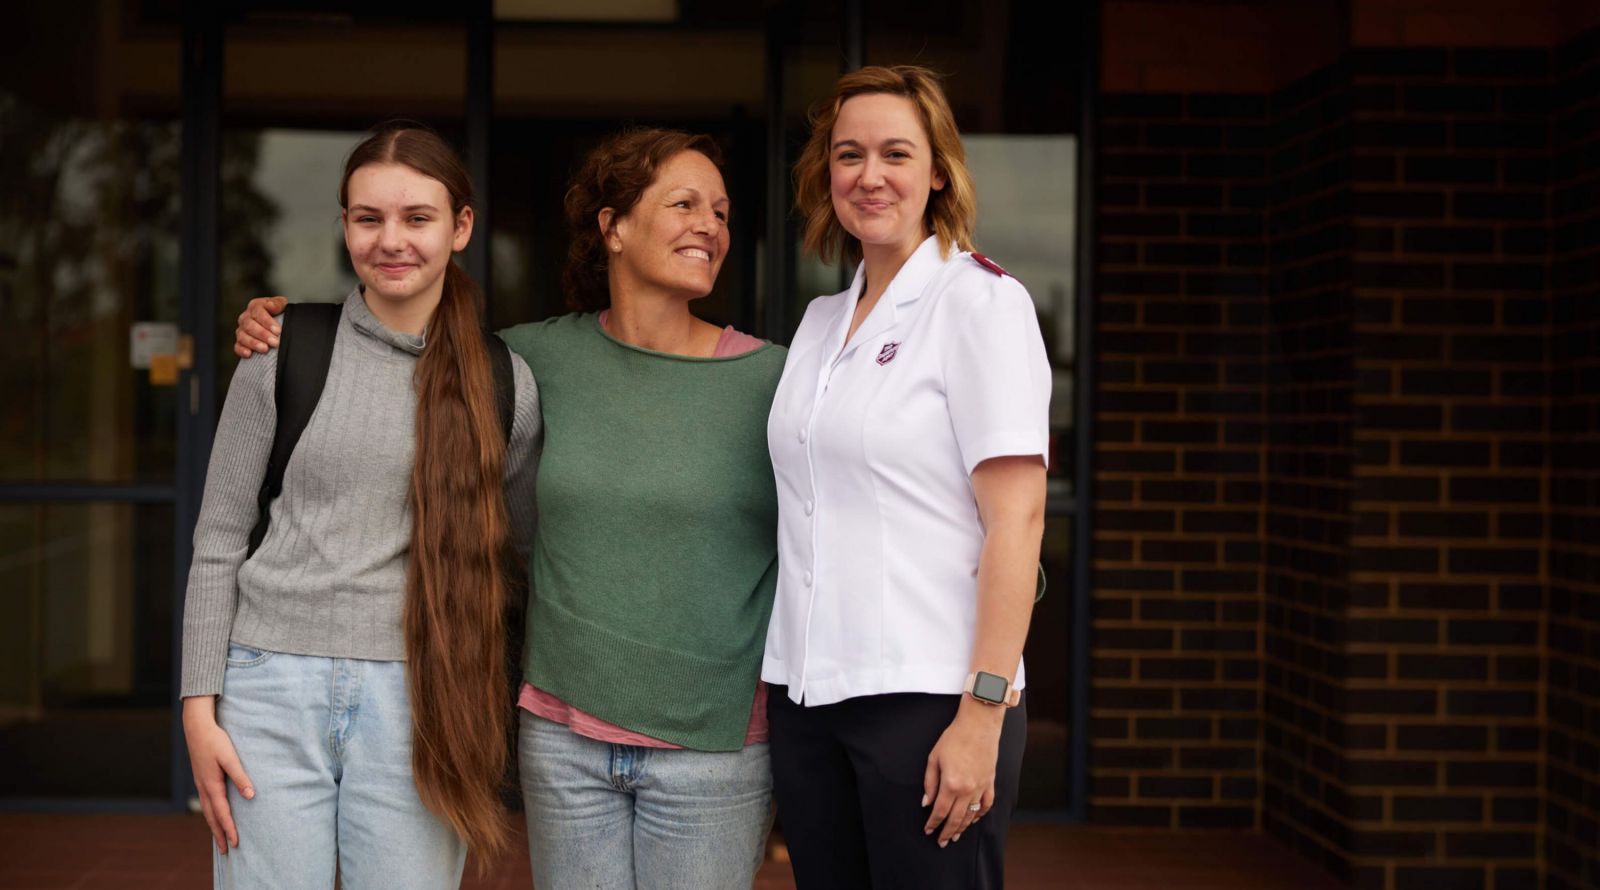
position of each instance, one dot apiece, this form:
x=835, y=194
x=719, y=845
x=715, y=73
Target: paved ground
x=127, y=852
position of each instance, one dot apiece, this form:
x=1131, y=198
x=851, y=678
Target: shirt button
x=802, y=435
x=809, y=507
x=808, y=579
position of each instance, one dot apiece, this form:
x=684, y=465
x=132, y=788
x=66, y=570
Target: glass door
x=90, y=203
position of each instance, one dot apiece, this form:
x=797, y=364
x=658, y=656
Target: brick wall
x=1572, y=775
x=1348, y=529
x=1308, y=464
x=1175, y=700
x=1442, y=700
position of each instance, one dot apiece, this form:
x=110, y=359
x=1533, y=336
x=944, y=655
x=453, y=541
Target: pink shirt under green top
x=551, y=708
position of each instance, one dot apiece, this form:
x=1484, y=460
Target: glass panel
x=1026, y=208
x=280, y=229
x=86, y=650
x=89, y=204
x=1027, y=204
x=1047, y=760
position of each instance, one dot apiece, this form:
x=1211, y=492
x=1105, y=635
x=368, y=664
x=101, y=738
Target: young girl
x=347, y=675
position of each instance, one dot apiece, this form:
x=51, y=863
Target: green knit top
x=655, y=560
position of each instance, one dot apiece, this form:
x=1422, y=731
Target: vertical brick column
x=1175, y=690
x=1444, y=632
x=1572, y=776
x=1309, y=427
x=1375, y=492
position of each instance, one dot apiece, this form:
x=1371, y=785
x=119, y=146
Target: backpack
x=304, y=350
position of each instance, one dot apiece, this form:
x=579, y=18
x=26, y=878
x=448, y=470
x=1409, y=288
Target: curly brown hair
x=952, y=212
x=615, y=174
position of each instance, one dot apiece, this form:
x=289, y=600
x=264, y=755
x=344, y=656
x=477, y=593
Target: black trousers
x=848, y=779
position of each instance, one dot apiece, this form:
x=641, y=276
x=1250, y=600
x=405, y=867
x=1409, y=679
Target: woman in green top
x=643, y=740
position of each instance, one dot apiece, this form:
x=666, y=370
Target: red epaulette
x=989, y=264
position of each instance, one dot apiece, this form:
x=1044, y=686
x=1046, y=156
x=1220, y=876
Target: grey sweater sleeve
x=238, y=465
x=522, y=458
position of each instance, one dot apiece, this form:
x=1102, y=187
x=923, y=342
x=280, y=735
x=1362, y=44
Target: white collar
x=906, y=286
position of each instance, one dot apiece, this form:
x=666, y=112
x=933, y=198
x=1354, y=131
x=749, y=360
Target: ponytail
x=456, y=588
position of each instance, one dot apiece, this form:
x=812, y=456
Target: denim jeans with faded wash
x=618, y=817
x=327, y=743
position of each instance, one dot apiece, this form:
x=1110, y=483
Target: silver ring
x=974, y=807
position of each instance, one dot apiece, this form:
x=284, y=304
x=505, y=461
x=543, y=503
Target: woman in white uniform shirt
x=908, y=437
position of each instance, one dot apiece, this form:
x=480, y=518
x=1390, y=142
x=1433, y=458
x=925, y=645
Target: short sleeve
x=996, y=374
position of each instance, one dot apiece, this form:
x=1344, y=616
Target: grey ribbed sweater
x=329, y=579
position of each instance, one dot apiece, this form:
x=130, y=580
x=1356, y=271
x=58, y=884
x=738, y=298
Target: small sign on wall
x=148, y=339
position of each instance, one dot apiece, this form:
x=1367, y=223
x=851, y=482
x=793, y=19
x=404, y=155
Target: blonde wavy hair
x=952, y=212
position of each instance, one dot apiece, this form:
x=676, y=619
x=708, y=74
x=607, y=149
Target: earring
x=616, y=247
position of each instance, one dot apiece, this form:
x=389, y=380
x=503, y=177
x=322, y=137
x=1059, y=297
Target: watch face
x=989, y=687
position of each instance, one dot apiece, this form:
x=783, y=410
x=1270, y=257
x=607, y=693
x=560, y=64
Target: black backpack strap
x=305, y=348
x=505, y=384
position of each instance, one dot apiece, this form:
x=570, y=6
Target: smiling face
x=676, y=237
x=880, y=170
x=400, y=231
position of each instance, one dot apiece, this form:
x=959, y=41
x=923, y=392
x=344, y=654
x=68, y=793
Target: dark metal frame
x=197, y=314
x=775, y=312
x=480, y=111
x=1083, y=406
x=1079, y=504
x=852, y=36
x=88, y=492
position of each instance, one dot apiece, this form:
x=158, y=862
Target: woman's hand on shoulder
x=257, y=330
x=961, y=769
x=215, y=763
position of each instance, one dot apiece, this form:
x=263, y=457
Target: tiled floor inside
x=142, y=852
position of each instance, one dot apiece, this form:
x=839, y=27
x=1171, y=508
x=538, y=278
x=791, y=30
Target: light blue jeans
x=327, y=742
x=618, y=817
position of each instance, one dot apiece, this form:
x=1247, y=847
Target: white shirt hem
x=935, y=679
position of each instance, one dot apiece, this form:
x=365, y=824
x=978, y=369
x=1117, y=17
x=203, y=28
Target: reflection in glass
x=291, y=209
x=1045, y=774
x=1027, y=200
x=85, y=650
x=280, y=224
x=88, y=246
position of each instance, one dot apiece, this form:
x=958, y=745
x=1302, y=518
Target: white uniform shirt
x=873, y=445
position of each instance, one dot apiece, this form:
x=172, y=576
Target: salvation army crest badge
x=888, y=352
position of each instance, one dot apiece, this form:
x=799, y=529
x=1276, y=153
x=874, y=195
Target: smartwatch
x=992, y=689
